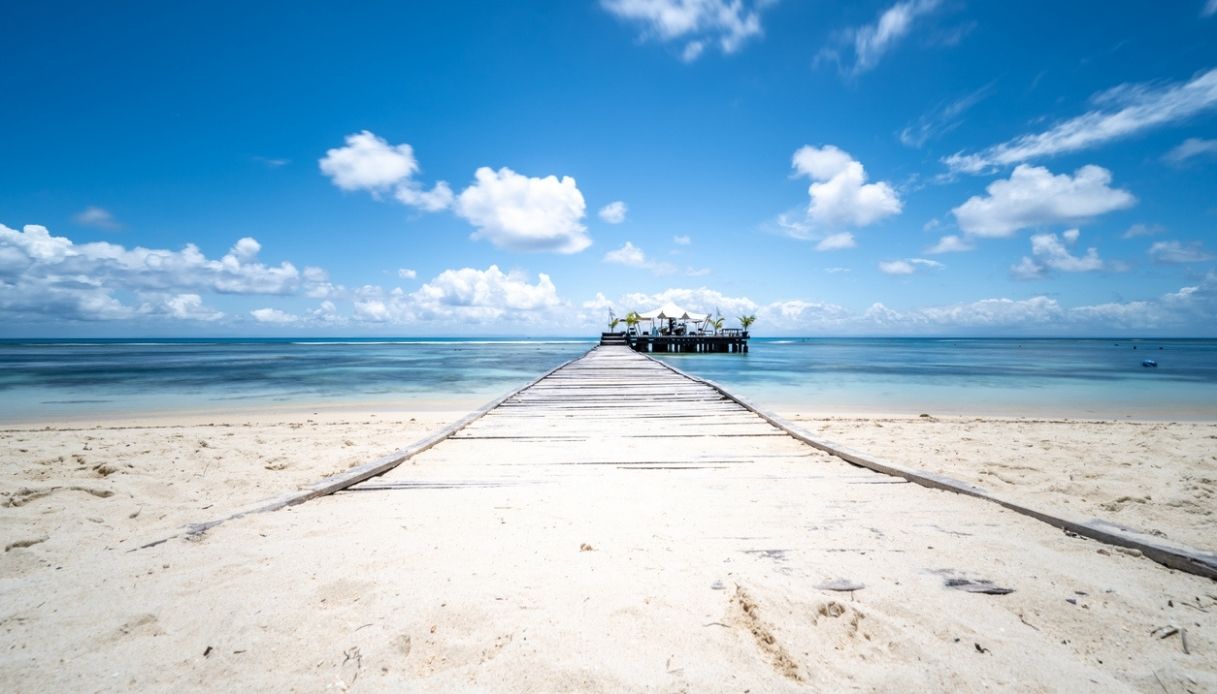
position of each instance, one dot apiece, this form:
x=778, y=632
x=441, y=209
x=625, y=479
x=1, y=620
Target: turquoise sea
x=43, y=380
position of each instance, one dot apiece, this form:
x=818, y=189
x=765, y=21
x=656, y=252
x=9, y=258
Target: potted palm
x=746, y=322
x=631, y=321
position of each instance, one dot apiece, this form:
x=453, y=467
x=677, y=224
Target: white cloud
x=271, y=162
x=51, y=276
x=598, y=303
x=190, y=307
x=370, y=163
x=1048, y=251
x=1027, y=269
x=1034, y=196
x=630, y=255
x=836, y=270
x=729, y=23
x=522, y=213
x=614, y=212
x=407, y=273
x=840, y=195
x=908, y=266
x=950, y=244
x=692, y=51
x=1209, y=9
x=327, y=312
x=273, y=315
x=460, y=298
x=438, y=198
x=837, y=242
x=1191, y=148
x=478, y=295
x=1124, y=111
x=1143, y=230
x=872, y=41
x=96, y=217
x=942, y=119
x=682, y=240
x=1175, y=252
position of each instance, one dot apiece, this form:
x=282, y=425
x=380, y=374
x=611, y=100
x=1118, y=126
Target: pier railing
x=727, y=341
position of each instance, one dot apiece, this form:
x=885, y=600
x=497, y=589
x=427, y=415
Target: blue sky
x=890, y=168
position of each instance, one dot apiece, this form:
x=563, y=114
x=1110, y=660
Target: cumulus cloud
x=52, y=276
x=96, y=217
x=950, y=244
x=273, y=315
x=461, y=297
x=1189, y=149
x=1050, y=252
x=1120, y=112
x=370, y=163
x=837, y=242
x=521, y=213
x=190, y=307
x=1176, y=252
x=840, y=194
x=908, y=266
x=407, y=273
x=695, y=23
x=614, y=212
x=630, y=255
x=869, y=43
x=1034, y=196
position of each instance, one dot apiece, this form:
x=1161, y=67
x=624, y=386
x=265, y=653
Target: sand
x=597, y=580
x=1156, y=477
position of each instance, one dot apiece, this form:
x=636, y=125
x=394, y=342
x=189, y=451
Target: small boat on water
x=1149, y=364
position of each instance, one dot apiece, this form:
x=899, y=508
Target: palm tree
x=718, y=324
x=746, y=321
x=613, y=324
x=632, y=319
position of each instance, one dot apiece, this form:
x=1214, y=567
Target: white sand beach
x=706, y=581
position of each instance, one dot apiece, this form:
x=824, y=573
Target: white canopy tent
x=673, y=312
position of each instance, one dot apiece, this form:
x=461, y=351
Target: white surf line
x=353, y=476
x=1175, y=556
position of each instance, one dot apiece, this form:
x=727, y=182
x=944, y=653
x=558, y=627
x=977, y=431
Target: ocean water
x=50, y=379
x=42, y=380
x=1088, y=378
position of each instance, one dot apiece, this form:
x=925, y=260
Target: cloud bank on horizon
x=901, y=167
